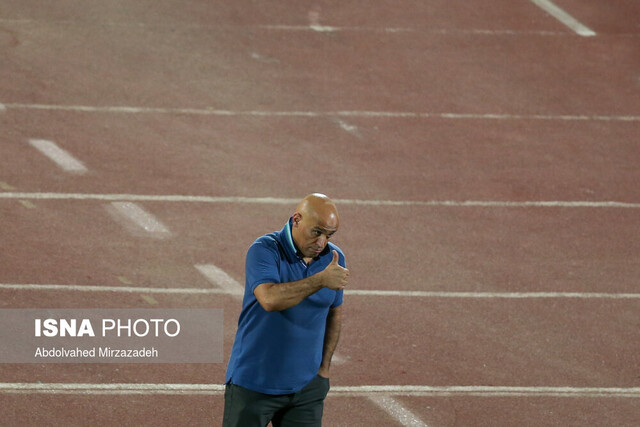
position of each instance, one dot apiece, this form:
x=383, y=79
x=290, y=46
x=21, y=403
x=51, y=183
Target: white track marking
x=6, y=186
x=229, y=286
x=338, y=359
x=412, y=30
x=59, y=156
x=314, y=21
x=323, y=28
x=353, y=130
x=488, y=391
x=493, y=295
x=401, y=414
x=289, y=201
x=400, y=30
x=264, y=59
x=125, y=289
x=2, y=108
x=365, y=114
x=220, y=278
x=27, y=204
x=564, y=17
x=363, y=390
x=138, y=217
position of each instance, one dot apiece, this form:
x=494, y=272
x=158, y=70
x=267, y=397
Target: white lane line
x=2, y=108
x=297, y=114
x=220, y=278
x=59, y=156
x=400, y=30
x=564, y=17
x=492, y=295
x=134, y=218
x=110, y=388
x=401, y=414
x=362, y=390
x=411, y=30
x=227, y=285
x=95, y=288
x=288, y=201
x=488, y=391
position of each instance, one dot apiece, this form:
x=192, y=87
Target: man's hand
x=335, y=276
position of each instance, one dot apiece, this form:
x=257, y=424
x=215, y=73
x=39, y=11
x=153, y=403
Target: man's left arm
x=331, y=337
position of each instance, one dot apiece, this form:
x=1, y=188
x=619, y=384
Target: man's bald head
x=319, y=206
x=314, y=222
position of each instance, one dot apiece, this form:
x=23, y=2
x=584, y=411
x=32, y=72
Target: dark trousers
x=247, y=408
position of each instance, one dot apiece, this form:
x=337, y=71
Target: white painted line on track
x=220, y=278
x=134, y=215
x=288, y=201
x=564, y=17
x=364, y=114
x=148, y=198
x=412, y=30
x=352, y=129
x=362, y=390
x=493, y=295
x=401, y=414
x=487, y=391
x=314, y=21
x=312, y=27
x=229, y=286
x=6, y=186
x=2, y=108
x=338, y=359
x=96, y=288
x=59, y=156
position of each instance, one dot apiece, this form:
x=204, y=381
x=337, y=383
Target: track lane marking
x=314, y=21
x=220, y=278
x=401, y=414
x=280, y=201
x=361, y=390
x=134, y=218
x=494, y=295
x=566, y=19
x=58, y=155
x=28, y=204
x=351, y=129
x=95, y=288
x=354, y=113
x=279, y=27
x=230, y=289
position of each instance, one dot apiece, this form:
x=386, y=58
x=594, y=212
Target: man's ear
x=296, y=219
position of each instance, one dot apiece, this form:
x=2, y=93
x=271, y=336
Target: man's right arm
x=280, y=296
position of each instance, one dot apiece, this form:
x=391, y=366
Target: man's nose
x=322, y=240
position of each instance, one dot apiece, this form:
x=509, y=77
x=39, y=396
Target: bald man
x=290, y=322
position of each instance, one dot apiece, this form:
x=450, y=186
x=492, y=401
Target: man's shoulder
x=270, y=241
x=333, y=246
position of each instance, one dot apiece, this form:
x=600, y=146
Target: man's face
x=311, y=233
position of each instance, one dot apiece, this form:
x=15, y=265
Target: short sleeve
x=262, y=265
x=337, y=301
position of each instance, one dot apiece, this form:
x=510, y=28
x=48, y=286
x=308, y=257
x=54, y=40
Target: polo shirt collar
x=288, y=238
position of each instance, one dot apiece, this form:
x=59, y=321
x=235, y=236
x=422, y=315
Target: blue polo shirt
x=280, y=352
